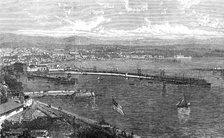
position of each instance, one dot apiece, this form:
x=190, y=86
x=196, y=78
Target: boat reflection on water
x=90, y=95
x=164, y=92
x=183, y=114
x=93, y=103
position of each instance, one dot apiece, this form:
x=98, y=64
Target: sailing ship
x=183, y=103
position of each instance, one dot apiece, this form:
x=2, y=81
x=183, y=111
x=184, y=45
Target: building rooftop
x=8, y=106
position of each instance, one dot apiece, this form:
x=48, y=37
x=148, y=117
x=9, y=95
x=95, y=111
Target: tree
x=15, y=87
x=26, y=134
x=89, y=132
x=3, y=94
x=7, y=125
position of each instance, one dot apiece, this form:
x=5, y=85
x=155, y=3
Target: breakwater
x=161, y=78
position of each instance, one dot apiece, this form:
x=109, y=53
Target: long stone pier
x=160, y=78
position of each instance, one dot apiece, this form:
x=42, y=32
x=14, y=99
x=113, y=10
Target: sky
x=114, y=19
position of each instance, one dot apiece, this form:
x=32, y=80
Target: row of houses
x=22, y=67
x=13, y=107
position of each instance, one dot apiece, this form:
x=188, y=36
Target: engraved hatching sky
x=165, y=19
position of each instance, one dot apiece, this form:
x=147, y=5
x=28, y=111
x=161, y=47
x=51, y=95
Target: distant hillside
x=13, y=40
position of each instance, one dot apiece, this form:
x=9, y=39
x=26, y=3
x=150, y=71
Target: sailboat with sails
x=183, y=103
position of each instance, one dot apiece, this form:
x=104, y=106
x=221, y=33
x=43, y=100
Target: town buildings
x=9, y=109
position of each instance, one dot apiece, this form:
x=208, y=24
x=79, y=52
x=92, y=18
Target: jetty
x=160, y=78
x=74, y=93
x=49, y=93
x=210, y=69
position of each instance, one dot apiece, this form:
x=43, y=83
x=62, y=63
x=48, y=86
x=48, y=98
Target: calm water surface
x=150, y=110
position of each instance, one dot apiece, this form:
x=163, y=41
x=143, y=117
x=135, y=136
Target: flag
x=117, y=107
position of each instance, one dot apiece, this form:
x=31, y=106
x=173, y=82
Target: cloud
x=40, y=19
x=164, y=11
x=167, y=29
x=95, y=28
x=72, y=28
x=206, y=20
x=144, y=7
x=80, y=25
x=106, y=5
x=163, y=31
x=187, y=4
x=67, y=8
x=97, y=12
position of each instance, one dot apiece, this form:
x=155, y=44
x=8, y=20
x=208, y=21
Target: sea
x=150, y=109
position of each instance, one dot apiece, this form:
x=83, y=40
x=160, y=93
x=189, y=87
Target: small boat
x=117, y=107
x=183, y=103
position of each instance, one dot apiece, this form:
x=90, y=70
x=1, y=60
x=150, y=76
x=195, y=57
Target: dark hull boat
x=183, y=104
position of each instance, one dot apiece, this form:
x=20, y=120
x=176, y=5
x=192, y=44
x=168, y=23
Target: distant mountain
x=32, y=39
x=14, y=40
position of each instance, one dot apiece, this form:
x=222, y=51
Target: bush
x=15, y=86
x=3, y=94
x=7, y=125
x=89, y=132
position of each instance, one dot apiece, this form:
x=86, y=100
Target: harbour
x=112, y=69
x=136, y=92
x=151, y=101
